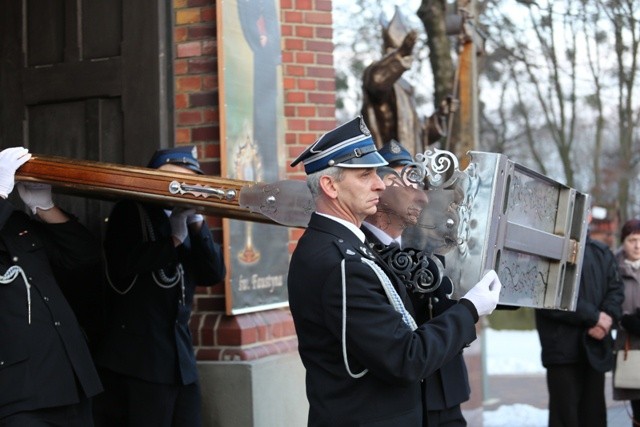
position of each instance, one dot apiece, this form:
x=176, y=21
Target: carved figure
x=389, y=107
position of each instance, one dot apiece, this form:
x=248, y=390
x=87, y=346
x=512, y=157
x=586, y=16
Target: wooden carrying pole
x=208, y=194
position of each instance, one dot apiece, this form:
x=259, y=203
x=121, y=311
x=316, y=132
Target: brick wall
x=309, y=106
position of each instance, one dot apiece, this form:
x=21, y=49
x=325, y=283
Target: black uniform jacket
x=448, y=386
x=147, y=334
x=376, y=338
x=46, y=363
x=563, y=335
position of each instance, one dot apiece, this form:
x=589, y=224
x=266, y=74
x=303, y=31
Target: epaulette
x=348, y=251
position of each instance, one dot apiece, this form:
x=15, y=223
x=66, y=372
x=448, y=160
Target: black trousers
x=576, y=396
x=449, y=417
x=132, y=402
x=78, y=415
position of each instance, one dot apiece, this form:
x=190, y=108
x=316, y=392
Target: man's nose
x=378, y=184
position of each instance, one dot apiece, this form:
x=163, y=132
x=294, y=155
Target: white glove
x=178, y=221
x=35, y=195
x=192, y=219
x=10, y=160
x=484, y=295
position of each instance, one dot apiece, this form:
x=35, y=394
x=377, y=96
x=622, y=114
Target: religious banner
x=252, y=135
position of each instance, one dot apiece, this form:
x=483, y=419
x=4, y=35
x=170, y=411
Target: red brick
x=288, y=83
x=321, y=125
x=318, y=18
x=206, y=99
x=286, y=30
x=209, y=115
x=181, y=101
x=324, y=5
x=180, y=34
x=189, y=117
x=294, y=97
x=324, y=33
x=319, y=46
x=304, y=31
x=304, y=5
x=309, y=138
x=324, y=59
x=180, y=67
x=306, y=111
x=188, y=49
x=205, y=133
x=209, y=82
x=292, y=17
x=197, y=3
x=209, y=47
x=326, y=85
x=294, y=70
x=322, y=98
x=305, y=58
x=286, y=4
x=200, y=32
x=287, y=57
x=188, y=83
x=307, y=84
x=321, y=72
x=296, y=124
x=209, y=14
x=293, y=44
x=183, y=135
x=290, y=138
x=202, y=65
x=187, y=16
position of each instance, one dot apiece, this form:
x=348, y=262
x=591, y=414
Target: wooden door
x=86, y=79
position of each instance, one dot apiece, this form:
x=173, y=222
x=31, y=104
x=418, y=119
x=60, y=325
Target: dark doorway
x=87, y=79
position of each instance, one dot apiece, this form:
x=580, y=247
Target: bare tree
x=623, y=17
x=559, y=74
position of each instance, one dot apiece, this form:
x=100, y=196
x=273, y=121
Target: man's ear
x=328, y=186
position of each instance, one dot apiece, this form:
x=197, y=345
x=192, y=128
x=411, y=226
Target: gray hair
x=313, y=180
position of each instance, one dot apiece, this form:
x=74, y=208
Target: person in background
x=364, y=354
x=154, y=258
x=628, y=257
x=577, y=347
x=401, y=204
x=47, y=376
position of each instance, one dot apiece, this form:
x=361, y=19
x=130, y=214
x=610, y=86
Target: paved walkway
x=532, y=390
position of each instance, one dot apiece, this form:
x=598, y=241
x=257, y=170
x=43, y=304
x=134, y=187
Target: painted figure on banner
x=254, y=124
x=389, y=106
x=261, y=29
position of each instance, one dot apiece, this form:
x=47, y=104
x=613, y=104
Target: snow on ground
x=514, y=352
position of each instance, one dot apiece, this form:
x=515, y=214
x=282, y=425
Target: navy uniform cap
x=348, y=146
x=182, y=156
x=394, y=153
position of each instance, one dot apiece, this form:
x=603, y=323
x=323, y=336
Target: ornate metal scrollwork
x=420, y=272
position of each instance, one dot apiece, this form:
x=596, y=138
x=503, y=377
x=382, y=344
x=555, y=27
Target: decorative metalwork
x=201, y=191
x=434, y=168
x=419, y=272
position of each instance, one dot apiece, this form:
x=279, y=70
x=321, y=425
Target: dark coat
x=377, y=339
x=563, y=335
x=147, y=334
x=46, y=363
x=449, y=385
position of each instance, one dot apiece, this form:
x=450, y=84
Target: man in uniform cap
x=364, y=355
x=155, y=258
x=401, y=204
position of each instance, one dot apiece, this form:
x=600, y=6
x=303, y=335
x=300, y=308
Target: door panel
x=86, y=79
